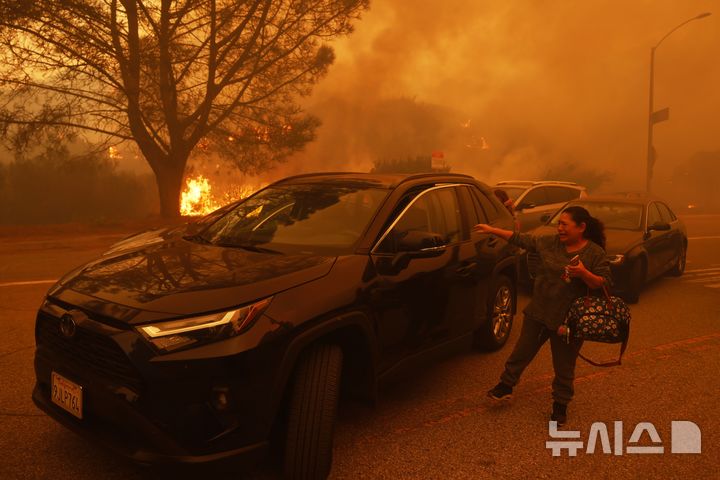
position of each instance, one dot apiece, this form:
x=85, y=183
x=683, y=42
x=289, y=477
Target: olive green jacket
x=552, y=296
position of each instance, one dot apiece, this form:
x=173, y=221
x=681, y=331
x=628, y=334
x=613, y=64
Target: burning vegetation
x=198, y=196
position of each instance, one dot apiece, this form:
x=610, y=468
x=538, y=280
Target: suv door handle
x=467, y=269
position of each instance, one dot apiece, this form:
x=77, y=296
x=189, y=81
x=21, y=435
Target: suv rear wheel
x=495, y=332
x=312, y=412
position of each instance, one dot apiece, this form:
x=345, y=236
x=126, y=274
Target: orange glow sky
x=543, y=82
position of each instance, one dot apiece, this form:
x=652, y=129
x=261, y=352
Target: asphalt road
x=437, y=424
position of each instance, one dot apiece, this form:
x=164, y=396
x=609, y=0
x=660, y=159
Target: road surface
x=439, y=423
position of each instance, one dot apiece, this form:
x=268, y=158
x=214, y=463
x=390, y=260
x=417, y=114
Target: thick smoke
x=517, y=89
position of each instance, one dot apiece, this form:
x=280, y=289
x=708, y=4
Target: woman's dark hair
x=594, y=228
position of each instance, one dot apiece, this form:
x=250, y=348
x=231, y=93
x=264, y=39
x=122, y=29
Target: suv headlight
x=177, y=334
x=616, y=259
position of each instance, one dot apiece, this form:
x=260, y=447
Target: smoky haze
x=517, y=89
x=508, y=90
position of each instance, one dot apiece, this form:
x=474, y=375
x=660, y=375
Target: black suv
x=207, y=341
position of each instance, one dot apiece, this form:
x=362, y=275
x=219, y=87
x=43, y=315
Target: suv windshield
x=305, y=216
x=616, y=216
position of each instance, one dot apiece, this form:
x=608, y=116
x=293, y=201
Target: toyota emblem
x=67, y=326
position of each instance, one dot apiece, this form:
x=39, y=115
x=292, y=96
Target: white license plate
x=67, y=394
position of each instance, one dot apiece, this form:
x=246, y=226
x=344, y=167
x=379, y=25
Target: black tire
x=500, y=312
x=311, y=413
x=637, y=280
x=679, y=266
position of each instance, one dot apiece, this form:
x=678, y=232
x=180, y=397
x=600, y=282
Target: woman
x=557, y=285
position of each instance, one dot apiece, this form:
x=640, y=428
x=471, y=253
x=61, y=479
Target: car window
x=561, y=194
x=449, y=210
x=614, y=215
x=485, y=205
x=536, y=196
x=306, y=216
x=653, y=214
x=665, y=213
x=475, y=212
x=435, y=212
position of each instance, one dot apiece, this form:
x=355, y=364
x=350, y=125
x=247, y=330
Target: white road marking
x=712, y=237
x=702, y=274
x=33, y=282
x=702, y=280
x=716, y=269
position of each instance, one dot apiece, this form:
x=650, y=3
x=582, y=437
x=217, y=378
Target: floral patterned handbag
x=599, y=319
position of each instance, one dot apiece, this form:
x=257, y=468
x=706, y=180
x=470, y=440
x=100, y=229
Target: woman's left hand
x=590, y=279
x=577, y=271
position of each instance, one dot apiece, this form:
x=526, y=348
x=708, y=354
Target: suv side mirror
x=409, y=245
x=659, y=226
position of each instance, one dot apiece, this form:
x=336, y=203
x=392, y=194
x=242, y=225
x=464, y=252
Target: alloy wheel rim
x=681, y=261
x=502, y=312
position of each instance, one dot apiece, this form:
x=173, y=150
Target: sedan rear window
x=617, y=216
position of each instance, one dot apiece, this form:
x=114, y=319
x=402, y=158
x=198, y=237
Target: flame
x=195, y=198
x=198, y=198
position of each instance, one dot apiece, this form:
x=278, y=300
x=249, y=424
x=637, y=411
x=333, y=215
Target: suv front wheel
x=496, y=330
x=312, y=412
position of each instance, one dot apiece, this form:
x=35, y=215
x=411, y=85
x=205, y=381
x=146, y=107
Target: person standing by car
x=557, y=284
x=508, y=203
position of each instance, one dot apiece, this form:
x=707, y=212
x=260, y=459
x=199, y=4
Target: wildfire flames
x=198, y=197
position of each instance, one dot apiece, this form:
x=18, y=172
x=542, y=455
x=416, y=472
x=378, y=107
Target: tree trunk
x=169, y=182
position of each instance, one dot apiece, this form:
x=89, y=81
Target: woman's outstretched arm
x=522, y=240
x=485, y=228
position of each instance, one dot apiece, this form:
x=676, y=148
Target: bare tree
x=168, y=75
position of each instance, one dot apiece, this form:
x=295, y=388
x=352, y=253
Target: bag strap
x=623, y=346
x=604, y=289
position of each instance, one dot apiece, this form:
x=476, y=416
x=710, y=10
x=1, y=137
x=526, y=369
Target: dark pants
x=532, y=336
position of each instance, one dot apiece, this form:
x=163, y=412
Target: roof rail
x=559, y=182
x=437, y=174
x=400, y=177
x=317, y=174
x=535, y=182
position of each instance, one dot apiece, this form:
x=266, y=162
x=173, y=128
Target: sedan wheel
x=496, y=330
x=679, y=267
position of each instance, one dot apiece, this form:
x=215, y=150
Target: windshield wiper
x=249, y=247
x=198, y=238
